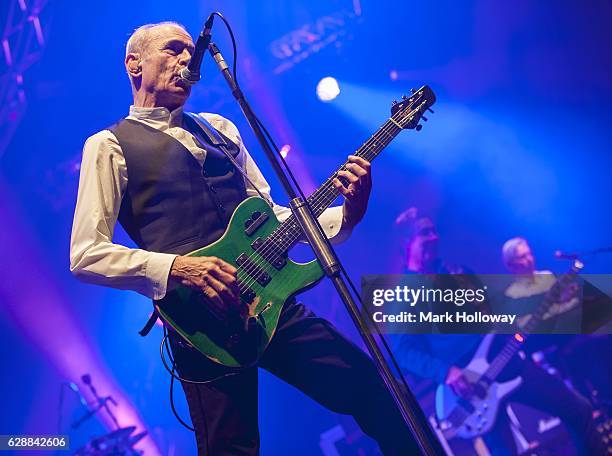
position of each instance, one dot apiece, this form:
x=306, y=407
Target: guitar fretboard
x=514, y=344
x=289, y=232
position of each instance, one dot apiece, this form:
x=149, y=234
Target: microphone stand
x=404, y=399
x=101, y=402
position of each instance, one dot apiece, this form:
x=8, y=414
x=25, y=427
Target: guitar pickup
x=253, y=270
x=248, y=295
x=263, y=279
x=277, y=261
x=252, y=224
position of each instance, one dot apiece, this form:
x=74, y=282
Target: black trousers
x=310, y=354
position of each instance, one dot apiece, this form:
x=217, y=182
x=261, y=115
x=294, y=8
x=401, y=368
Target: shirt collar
x=159, y=115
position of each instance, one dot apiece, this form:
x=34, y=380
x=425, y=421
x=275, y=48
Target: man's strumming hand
x=211, y=276
x=458, y=383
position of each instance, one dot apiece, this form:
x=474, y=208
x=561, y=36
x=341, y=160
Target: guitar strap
x=206, y=134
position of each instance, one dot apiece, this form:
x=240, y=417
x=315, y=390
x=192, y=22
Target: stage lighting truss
x=24, y=36
x=299, y=44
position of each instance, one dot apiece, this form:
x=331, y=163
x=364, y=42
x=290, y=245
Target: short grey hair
x=141, y=37
x=510, y=246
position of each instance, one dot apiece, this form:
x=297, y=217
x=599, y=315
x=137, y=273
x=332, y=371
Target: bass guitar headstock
x=408, y=113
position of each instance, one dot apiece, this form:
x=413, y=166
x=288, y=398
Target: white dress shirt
x=103, y=179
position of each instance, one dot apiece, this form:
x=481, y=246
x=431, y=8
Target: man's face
x=168, y=51
x=522, y=261
x=424, y=241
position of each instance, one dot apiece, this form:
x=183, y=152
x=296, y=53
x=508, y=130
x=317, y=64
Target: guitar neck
x=289, y=232
x=503, y=358
x=326, y=194
x=514, y=344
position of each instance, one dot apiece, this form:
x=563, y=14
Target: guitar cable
x=172, y=376
x=171, y=370
x=176, y=414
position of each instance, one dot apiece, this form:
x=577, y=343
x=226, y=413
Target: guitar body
x=473, y=417
x=240, y=338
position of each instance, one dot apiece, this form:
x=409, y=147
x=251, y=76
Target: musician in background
x=530, y=286
x=539, y=389
x=439, y=357
x=431, y=356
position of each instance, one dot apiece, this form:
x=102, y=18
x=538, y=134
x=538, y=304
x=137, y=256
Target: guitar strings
x=284, y=234
x=284, y=231
x=326, y=192
x=271, y=245
x=385, y=134
x=332, y=193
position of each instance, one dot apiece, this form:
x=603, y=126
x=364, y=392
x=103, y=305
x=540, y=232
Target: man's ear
x=132, y=64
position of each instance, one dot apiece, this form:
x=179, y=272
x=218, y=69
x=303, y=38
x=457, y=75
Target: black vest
x=172, y=204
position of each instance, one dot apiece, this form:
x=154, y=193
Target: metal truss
x=24, y=35
x=299, y=44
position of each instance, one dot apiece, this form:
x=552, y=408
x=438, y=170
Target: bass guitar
x=470, y=417
x=257, y=245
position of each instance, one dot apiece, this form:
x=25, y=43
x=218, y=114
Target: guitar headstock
x=408, y=112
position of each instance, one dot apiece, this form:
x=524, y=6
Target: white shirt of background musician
x=540, y=283
x=94, y=257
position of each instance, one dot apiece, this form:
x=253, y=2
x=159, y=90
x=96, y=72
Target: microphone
x=191, y=74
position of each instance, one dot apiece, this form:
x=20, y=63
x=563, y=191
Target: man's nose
x=185, y=57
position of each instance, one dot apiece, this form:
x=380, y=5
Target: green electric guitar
x=257, y=245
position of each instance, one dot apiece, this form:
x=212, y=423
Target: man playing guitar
x=174, y=192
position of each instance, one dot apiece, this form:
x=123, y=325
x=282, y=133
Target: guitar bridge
x=248, y=295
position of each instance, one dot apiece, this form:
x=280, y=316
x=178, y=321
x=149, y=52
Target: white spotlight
x=327, y=89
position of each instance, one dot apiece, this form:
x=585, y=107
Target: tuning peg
x=424, y=118
x=394, y=102
x=430, y=110
x=404, y=97
x=418, y=127
x=413, y=90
